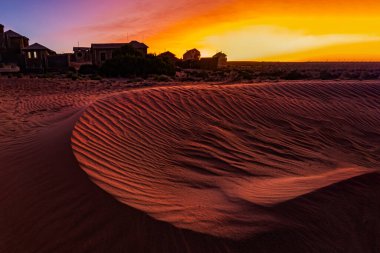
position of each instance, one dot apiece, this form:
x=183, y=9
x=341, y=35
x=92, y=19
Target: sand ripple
x=218, y=159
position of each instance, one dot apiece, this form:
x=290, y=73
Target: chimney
x=1, y=29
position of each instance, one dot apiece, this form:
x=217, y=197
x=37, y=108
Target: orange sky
x=277, y=30
x=293, y=30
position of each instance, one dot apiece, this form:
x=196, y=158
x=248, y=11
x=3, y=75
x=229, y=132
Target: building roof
x=37, y=47
x=193, y=50
x=167, y=54
x=138, y=45
x=220, y=54
x=108, y=45
x=81, y=48
x=134, y=44
x=13, y=34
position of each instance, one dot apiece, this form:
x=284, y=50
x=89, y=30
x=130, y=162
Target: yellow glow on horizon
x=275, y=36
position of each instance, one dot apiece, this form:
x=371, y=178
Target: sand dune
x=284, y=167
x=212, y=159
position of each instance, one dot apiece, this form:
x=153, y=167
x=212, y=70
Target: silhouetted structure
x=36, y=57
x=208, y=63
x=192, y=55
x=82, y=55
x=212, y=63
x=221, y=58
x=169, y=57
x=141, y=47
x=103, y=52
x=11, y=45
x=58, y=62
x=2, y=42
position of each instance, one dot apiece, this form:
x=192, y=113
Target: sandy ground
x=105, y=166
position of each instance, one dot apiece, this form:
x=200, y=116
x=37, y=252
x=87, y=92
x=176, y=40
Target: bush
x=328, y=75
x=95, y=77
x=189, y=64
x=88, y=69
x=162, y=78
x=132, y=65
x=73, y=76
x=72, y=69
x=294, y=75
x=369, y=75
x=201, y=74
x=245, y=75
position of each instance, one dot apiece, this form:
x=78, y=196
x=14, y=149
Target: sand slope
x=320, y=169
x=218, y=159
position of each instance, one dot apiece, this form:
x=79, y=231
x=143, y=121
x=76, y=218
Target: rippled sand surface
x=218, y=159
x=106, y=166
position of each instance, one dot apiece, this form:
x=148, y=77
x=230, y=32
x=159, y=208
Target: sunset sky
x=277, y=30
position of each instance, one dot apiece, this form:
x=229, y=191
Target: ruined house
x=169, y=57
x=36, y=57
x=11, y=46
x=221, y=59
x=103, y=52
x=2, y=42
x=82, y=55
x=192, y=55
x=141, y=47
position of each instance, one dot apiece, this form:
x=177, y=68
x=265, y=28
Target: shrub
x=88, y=69
x=96, y=77
x=294, y=75
x=328, y=75
x=369, y=75
x=246, y=75
x=73, y=76
x=201, y=74
x=162, y=78
x=72, y=69
x=136, y=65
x=189, y=64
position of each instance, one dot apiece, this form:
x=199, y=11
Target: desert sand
x=103, y=166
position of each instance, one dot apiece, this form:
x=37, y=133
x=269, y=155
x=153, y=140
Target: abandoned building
x=82, y=55
x=141, y=47
x=11, y=46
x=36, y=57
x=221, y=58
x=192, y=55
x=58, y=62
x=169, y=56
x=103, y=52
x=39, y=58
x=16, y=55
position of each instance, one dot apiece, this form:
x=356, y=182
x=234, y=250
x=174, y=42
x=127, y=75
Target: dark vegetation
x=131, y=64
x=128, y=62
x=267, y=71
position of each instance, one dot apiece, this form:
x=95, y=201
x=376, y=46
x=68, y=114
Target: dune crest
x=269, y=192
x=215, y=159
